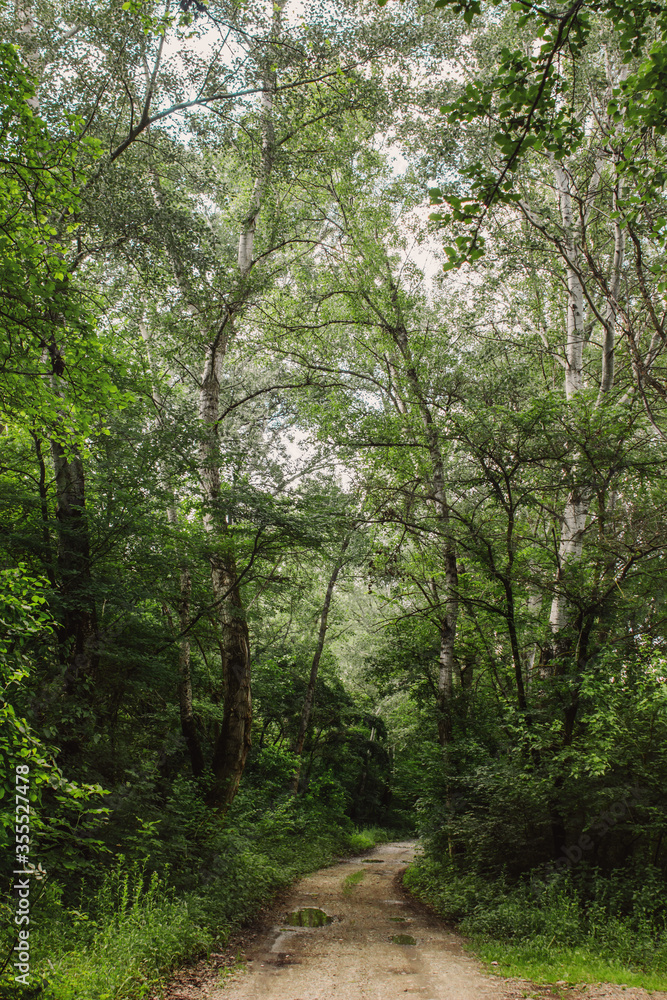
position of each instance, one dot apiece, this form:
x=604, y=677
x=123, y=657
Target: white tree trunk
x=247, y=236
x=233, y=742
x=28, y=46
x=449, y=614
x=575, y=515
x=611, y=311
x=574, y=348
x=576, y=510
x=534, y=609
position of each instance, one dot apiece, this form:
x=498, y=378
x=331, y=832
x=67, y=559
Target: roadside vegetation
x=582, y=927
x=117, y=932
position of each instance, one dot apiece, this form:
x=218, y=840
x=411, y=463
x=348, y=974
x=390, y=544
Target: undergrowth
x=578, y=926
x=133, y=922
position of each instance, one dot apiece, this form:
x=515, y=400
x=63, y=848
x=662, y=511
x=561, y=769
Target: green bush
x=619, y=917
x=117, y=941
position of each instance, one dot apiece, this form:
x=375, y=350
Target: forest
x=333, y=486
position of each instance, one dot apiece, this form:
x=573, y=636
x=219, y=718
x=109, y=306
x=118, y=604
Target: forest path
x=354, y=957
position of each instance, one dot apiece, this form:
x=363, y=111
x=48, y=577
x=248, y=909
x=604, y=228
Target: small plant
x=350, y=881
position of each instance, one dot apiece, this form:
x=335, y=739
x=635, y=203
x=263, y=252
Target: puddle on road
x=403, y=939
x=372, y=861
x=309, y=916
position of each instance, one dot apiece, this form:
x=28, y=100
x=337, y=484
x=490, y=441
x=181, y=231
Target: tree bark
x=78, y=632
x=233, y=741
x=445, y=683
x=608, y=344
x=188, y=722
x=26, y=31
x=448, y=621
x=309, y=700
x=532, y=654
x=47, y=553
x=575, y=514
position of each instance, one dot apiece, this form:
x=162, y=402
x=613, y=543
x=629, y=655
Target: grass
x=122, y=941
x=350, y=881
x=364, y=840
x=606, y=930
x=134, y=928
x=541, y=964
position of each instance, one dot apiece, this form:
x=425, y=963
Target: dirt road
x=379, y=945
x=354, y=957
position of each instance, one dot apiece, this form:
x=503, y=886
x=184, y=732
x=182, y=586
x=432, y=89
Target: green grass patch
x=581, y=927
x=368, y=837
x=543, y=964
x=350, y=881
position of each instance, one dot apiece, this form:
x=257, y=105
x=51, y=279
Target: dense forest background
x=333, y=473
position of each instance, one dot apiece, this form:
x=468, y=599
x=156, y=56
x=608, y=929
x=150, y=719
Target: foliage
x=26, y=628
x=118, y=940
x=581, y=925
x=531, y=104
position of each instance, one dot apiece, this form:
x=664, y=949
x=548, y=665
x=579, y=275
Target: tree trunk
x=532, y=654
x=448, y=621
x=188, y=723
x=575, y=515
x=309, y=700
x=445, y=684
x=47, y=553
x=233, y=741
x=78, y=632
x=26, y=31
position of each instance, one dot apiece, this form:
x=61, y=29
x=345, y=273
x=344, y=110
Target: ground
x=366, y=952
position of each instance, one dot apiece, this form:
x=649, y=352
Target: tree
x=288, y=72
x=309, y=699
